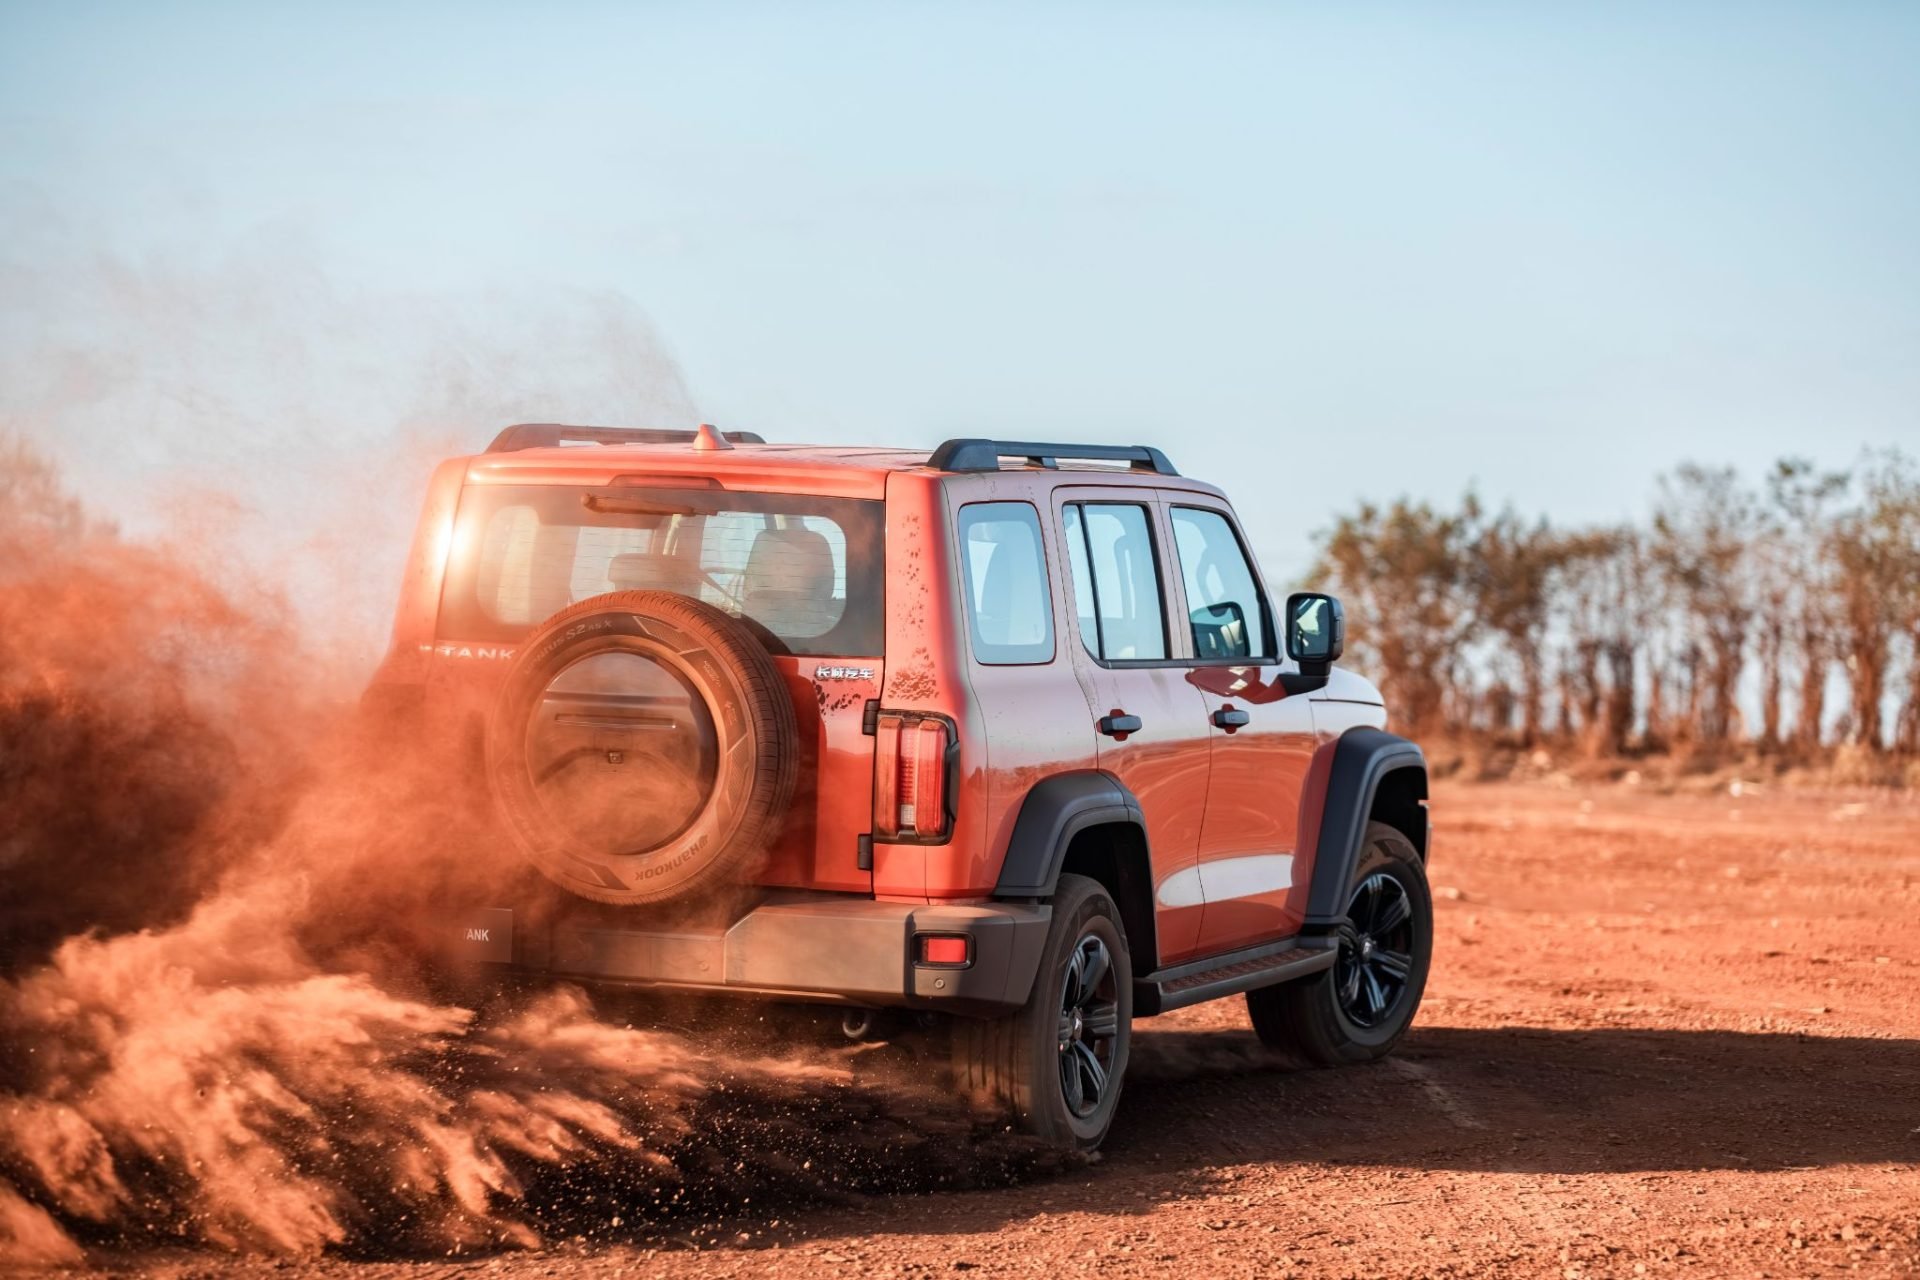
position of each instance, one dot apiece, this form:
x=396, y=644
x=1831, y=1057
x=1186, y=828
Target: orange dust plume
x=215, y=1024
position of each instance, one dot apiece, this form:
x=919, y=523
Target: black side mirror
x=1316, y=635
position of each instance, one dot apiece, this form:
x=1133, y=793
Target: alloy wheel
x=1376, y=951
x=1089, y=1026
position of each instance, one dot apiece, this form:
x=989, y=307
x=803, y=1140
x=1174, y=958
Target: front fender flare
x=1361, y=759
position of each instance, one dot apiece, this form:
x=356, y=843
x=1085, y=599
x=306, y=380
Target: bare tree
x=1875, y=552
x=1510, y=574
x=1878, y=546
x=1600, y=581
x=1403, y=568
x=1703, y=524
x=1798, y=588
x=1639, y=638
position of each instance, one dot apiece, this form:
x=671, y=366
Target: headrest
x=787, y=586
x=797, y=560
x=639, y=571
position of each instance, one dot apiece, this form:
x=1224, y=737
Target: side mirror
x=1316, y=633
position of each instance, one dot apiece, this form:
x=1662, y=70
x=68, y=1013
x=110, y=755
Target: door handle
x=1231, y=718
x=1119, y=724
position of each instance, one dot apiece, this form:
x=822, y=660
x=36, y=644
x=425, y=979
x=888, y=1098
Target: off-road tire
x=1308, y=1017
x=1014, y=1063
x=756, y=746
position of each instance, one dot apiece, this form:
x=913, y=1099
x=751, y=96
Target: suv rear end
x=873, y=890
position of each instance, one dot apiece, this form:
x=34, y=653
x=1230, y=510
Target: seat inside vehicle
x=787, y=586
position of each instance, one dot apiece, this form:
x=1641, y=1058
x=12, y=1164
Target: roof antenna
x=709, y=437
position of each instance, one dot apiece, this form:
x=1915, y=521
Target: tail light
x=910, y=777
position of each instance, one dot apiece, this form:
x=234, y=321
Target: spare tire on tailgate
x=643, y=748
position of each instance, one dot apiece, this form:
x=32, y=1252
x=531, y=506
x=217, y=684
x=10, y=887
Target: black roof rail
x=985, y=455
x=546, y=435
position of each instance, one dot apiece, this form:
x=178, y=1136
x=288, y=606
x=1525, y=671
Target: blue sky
x=1314, y=252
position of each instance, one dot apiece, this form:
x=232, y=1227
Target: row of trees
x=1784, y=615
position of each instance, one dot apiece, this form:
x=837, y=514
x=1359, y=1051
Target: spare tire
x=643, y=748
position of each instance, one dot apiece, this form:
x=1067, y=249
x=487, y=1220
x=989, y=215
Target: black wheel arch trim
x=1055, y=811
x=1362, y=760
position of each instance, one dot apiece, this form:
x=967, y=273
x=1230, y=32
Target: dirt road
x=1663, y=1034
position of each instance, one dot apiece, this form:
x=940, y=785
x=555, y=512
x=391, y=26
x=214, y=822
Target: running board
x=1232, y=974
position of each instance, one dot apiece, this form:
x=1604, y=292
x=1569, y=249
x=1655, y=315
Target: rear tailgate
x=804, y=571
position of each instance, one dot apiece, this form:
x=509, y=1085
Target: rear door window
x=1116, y=580
x=1009, y=609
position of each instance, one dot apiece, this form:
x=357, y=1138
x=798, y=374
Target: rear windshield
x=806, y=570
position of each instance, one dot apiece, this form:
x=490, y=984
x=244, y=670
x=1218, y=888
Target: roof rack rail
x=985, y=455
x=546, y=435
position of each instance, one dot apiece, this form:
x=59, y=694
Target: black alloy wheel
x=1376, y=951
x=1089, y=1025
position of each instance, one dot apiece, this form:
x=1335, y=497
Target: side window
x=1116, y=582
x=1222, y=593
x=1010, y=611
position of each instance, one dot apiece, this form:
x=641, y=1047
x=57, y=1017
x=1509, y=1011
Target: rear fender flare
x=1057, y=810
x=1054, y=812
x=1362, y=760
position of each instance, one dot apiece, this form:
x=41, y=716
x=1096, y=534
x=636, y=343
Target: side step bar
x=1231, y=974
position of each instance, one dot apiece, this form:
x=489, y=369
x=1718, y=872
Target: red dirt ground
x=1663, y=1034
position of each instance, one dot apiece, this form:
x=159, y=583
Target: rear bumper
x=831, y=949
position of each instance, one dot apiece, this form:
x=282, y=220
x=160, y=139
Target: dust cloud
x=258, y=404
x=217, y=1023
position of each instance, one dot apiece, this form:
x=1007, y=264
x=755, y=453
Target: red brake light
x=886, y=777
x=910, y=777
x=930, y=778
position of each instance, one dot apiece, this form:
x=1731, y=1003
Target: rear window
x=806, y=570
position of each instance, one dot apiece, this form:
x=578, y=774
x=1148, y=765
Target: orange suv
x=1010, y=733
